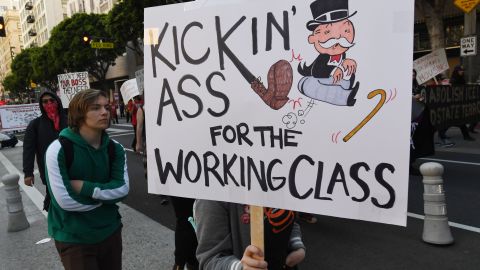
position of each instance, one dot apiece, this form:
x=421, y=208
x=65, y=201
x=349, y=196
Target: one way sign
x=468, y=46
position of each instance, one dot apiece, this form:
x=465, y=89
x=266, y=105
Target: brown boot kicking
x=280, y=79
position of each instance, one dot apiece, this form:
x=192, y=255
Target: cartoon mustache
x=333, y=41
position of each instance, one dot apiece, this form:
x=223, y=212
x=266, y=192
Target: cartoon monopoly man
x=331, y=77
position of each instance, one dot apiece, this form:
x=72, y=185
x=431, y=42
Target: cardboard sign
x=139, y=78
x=129, y=89
x=255, y=103
x=430, y=65
x=17, y=117
x=70, y=84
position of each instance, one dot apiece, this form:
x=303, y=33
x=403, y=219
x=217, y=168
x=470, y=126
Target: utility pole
x=470, y=29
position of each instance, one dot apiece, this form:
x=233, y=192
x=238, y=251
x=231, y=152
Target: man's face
x=47, y=99
x=333, y=38
x=97, y=117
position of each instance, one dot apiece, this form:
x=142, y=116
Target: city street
x=334, y=243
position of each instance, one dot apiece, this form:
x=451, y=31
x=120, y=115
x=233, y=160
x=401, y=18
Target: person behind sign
x=113, y=112
x=135, y=105
x=457, y=79
x=128, y=110
x=422, y=130
x=83, y=217
x=141, y=144
x=223, y=232
x=40, y=132
x=122, y=109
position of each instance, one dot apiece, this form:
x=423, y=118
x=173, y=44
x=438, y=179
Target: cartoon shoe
x=280, y=79
x=351, y=97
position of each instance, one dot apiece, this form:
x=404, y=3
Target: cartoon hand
x=350, y=66
x=337, y=75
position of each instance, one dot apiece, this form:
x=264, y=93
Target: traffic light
x=86, y=39
x=3, y=33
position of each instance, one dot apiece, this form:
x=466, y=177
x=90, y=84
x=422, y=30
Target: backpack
x=67, y=146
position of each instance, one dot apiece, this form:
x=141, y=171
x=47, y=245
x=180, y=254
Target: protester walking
x=128, y=110
x=141, y=144
x=135, y=105
x=121, y=107
x=40, y=132
x=457, y=79
x=185, y=238
x=86, y=176
x=113, y=113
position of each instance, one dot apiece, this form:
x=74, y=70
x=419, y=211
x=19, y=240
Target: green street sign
x=102, y=45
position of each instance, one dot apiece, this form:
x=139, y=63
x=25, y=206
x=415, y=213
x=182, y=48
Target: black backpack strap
x=67, y=146
x=111, y=154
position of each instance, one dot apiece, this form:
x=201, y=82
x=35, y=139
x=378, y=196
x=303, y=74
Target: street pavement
x=332, y=243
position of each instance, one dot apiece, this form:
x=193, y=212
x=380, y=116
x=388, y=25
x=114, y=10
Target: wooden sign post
x=256, y=227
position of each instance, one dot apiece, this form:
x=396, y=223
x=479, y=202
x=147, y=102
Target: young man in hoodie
x=223, y=232
x=83, y=217
x=40, y=132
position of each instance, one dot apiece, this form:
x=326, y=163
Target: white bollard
x=435, y=227
x=17, y=221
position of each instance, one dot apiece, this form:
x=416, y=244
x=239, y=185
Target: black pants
x=185, y=238
x=463, y=129
x=104, y=255
x=134, y=142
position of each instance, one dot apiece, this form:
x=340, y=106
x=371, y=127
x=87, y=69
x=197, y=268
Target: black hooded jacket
x=38, y=136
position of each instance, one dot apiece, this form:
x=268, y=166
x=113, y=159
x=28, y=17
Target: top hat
x=328, y=12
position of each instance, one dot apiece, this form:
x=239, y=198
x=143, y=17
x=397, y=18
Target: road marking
x=123, y=125
x=453, y=224
x=452, y=161
x=32, y=192
x=116, y=130
x=118, y=135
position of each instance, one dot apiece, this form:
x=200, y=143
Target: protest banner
x=241, y=107
x=453, y=105
x=70, y=84
x=17, y=117
x=139, y=78
x=430, y=65
x=129, y=89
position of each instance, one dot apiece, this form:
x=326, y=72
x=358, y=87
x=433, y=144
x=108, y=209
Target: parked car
x=8, y=140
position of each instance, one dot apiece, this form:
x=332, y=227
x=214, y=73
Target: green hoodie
x=91, y=216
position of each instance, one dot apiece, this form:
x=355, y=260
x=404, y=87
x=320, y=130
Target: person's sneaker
x=178, y=267
x=191, y=266
x=446, y=143
x=163, y=200
x=309, y=218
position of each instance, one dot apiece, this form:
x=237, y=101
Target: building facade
x=118, y=73
x=10, y=45
x=37, y=19
x=90, y=6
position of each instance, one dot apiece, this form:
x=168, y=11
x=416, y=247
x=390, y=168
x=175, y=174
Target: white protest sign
x=241, y=105
x=430, y=65
x=139, y=78
x=129, y=89
x=70, y=84
x=17, y=117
